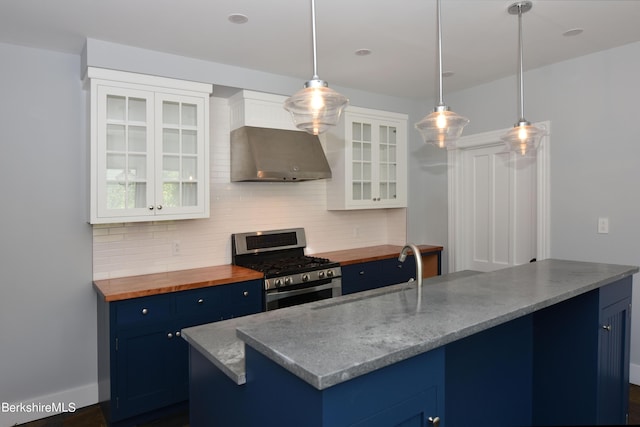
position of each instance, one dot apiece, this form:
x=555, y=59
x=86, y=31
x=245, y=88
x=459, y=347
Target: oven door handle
x=275, y=296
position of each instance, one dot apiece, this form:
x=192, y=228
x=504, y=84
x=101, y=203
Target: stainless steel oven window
x=288, y=298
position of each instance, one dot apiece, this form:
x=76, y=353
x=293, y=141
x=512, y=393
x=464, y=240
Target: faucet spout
x=416, y=252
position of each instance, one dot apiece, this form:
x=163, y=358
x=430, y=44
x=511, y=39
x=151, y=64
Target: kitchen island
x=499, y=348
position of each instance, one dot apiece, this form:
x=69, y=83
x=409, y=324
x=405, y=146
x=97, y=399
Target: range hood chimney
x=264, y=154
x=265, y=144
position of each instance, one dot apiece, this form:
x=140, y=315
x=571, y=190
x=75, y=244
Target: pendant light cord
x=439, y=45
x=521, y=68
x=313, y=38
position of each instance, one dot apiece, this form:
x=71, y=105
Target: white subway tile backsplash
x=140, y=248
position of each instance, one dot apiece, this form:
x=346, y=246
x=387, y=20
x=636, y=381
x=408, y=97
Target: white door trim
x=455, y=181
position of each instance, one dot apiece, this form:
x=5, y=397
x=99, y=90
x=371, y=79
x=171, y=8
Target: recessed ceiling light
x=363, y=52
x=237, y=18
x=573, y=32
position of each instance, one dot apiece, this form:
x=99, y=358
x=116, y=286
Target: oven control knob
x=329, y=273
x=287, y=280
x=305, y=277
x=277, y=282
x=321, y=275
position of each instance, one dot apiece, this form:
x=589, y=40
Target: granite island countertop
x=332, y=341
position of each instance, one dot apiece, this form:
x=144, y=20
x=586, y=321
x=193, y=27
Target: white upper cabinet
x=367, y=153
x=149, y=147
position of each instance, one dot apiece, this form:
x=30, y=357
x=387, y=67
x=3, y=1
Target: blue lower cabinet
x=406, y=394
x=143, y=363
x=151, y=369
x=375, y=274
x=394, y=271
x=361, y=277
x=581, y=359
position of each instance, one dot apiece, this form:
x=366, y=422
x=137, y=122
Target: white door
x=497, y=204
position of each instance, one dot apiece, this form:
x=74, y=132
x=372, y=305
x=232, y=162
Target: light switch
x=603, y=225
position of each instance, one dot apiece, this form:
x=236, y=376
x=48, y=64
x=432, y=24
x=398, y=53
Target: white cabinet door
x=180, y=171
x=367, y=155
x=124, y=172
x=149, y=148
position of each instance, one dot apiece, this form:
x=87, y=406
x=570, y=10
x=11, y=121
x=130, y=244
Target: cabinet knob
x=606, y=328
x=200, y=301
x=159, y=207
x=245, y=293
x=144, y=311
x=434, y=421
x=177, y=333
x=150, y=207
x=169, y=335
x=362, y=273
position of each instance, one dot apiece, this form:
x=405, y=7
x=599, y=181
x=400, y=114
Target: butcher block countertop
x=372, y=253
x=173, y=281
x=161, y=283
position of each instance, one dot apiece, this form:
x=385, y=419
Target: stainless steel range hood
x=264, y=154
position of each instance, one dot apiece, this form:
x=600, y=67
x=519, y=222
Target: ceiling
x=479, y=36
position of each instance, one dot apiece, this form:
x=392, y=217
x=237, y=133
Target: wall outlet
x=175, y=248
x=603, y=225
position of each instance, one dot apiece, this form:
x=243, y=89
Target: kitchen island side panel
x=489, y=377
x=404, y=394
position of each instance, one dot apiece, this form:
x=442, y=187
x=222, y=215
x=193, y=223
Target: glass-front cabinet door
x=361, y=143
x=387, y=177
x=125, y=152
x=367, y=155
x=181, y=157
x=149, y=148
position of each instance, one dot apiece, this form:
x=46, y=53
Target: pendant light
x=442, y=127
x=316, y=107
x=523, y=138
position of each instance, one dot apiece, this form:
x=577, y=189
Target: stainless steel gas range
x=290, y=276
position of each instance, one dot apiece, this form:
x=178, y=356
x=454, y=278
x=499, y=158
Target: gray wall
x=592, y=103
x=47, y=305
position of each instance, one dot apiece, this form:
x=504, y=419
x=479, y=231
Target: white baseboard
x=12, y=413
x=634, y=374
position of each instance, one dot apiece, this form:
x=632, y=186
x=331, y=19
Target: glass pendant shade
x=523, y=138
x=442, y=127
x=316, y=107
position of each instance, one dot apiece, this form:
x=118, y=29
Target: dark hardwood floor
x=634, y=405
x=91, y=416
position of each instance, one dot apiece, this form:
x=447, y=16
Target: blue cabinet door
x=613, y=361
x=143, y=364
x=394, y=271
x=361, y=277
x=375, y=274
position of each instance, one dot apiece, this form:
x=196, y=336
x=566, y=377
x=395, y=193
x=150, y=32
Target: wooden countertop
x=161, y=283
x=372, y=253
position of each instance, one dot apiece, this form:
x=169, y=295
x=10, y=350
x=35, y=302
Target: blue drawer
x=144, y=310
